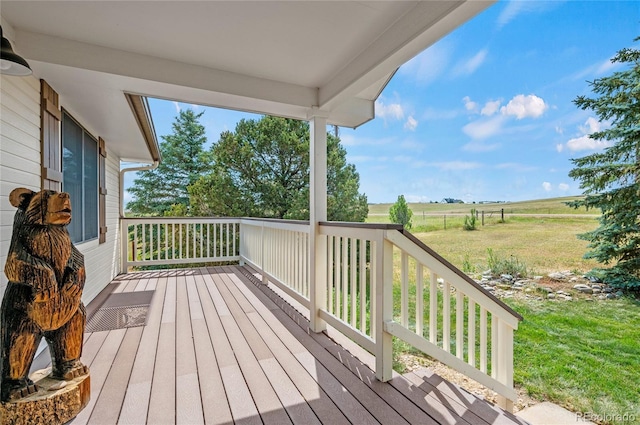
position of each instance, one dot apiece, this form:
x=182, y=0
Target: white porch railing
x=279, y=249
x=178, y=240
x=380, y=282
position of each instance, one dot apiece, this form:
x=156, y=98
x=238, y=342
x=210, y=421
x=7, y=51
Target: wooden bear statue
x=43, y=297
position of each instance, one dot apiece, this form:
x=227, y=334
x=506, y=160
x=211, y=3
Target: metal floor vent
x=122, y=310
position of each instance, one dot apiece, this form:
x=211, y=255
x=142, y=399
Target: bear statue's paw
x=69, y=370
x=13, y=390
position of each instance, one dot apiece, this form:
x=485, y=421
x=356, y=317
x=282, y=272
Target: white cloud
x=428, y=65
x=511, y=10
x=393, y=110
x=515, y=166
x=559, y=147
x=477, y=146
x=416, y=198
x=456, y=165
x=518, y=7
x=177, y=105
x=596, y=69
x=522, y=106
x=411, y=123
x=563, y=187
x=547, y=186
x=585, y=143
x=350, y=140
x=484, y=128
x=491, y=107
x=469, y=67
x=469, y=104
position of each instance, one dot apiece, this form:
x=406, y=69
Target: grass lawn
x=582, y=355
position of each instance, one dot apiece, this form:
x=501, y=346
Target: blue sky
x=486, y=113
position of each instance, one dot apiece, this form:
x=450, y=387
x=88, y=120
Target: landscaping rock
x=551, y=296
x=557, y=276
x=585, y=289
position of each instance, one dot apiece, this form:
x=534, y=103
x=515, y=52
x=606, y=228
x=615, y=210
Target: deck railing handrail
x=378, y=281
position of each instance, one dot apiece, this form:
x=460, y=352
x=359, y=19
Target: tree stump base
x=56, y=402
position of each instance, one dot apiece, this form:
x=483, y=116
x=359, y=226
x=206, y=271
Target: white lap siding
x=19, y=150
x=20, y=166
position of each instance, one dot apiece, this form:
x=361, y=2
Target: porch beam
x=318, y=213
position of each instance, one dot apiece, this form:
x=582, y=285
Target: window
x=80, y=178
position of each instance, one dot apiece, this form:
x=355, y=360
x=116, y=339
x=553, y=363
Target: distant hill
x=539, y=206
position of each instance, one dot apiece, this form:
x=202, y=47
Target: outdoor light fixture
x=10, y=62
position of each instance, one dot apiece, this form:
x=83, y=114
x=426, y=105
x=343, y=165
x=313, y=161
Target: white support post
x=318, y=213
x=384, y=308
x=505, y=362
x=124, y=241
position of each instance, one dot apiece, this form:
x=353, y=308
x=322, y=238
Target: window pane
x=90, y=187
x=72, y=173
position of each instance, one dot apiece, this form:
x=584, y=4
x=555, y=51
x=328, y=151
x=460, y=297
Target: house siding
x=19, y=150
x=20, y=166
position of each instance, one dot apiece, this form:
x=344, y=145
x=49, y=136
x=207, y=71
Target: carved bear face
x=46, y=207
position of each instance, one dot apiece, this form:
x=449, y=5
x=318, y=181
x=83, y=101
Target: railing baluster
x=419, y=299
x=353, y=283
x=404, y=289
x=483, y=339
x=158, y=241
x=144, y=242
x=433, y=309
x=372, y=287
x=330, y=276
x=336, y=271
x=446, y=316
x=363, y=286
x=494, y=346
x=345, y=280
x=459, y=324
x=471, y=332
x=167, y=235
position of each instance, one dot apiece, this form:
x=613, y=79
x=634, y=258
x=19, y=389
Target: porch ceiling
x=273, y=57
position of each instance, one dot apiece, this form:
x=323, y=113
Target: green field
x=582, y=355
x=542, y=206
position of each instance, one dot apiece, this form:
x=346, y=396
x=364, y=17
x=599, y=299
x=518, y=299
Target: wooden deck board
x=214, y=399
x=162, y=403
x=136, y=402
x=219, y=349
x=241, y=405
x=100, y=368
x=188, y=402
x=267, y=402
x=275, y=335
x=109, y=404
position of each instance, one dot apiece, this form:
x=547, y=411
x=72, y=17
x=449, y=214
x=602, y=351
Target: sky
x=486, y=113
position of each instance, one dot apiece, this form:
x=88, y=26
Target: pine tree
x=611, y=178
x=157, y=192
x=400, y=213
x=262, y=170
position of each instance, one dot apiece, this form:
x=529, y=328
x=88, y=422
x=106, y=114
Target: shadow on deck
x=219, y=347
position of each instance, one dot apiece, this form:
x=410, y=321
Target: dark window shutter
x=103, y=190
x=51, y=143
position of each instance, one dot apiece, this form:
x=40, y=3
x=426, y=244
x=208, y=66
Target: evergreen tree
x=262, y=170
x=400, y=213
x=611, y=178
x=157, y=192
